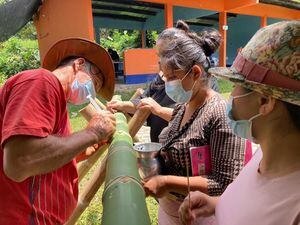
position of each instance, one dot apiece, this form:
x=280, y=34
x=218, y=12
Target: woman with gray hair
x=197, y=142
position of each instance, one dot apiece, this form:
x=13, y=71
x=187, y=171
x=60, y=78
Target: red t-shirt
x=33, y=103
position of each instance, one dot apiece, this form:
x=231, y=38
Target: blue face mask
x=80, y=91
x=241, y=128
x=176, y=92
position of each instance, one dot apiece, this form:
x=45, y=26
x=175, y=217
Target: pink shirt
x=256, y=200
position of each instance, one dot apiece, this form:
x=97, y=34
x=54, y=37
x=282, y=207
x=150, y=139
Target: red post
x=264, y=21
x=168, y=15
x=75, y=19
x=223, y=30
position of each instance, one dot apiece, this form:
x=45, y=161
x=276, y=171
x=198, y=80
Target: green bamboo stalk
x=123, y=197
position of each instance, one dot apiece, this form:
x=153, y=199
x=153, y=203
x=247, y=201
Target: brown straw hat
x=78, y=47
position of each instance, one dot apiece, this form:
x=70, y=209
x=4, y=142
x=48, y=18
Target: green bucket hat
x=269, y=63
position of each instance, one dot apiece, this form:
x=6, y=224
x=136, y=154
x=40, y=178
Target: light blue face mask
x=241, y=128
x=80, y=91
x=176, y=92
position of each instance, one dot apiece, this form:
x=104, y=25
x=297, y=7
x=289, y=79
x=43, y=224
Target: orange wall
x=59, y=19
x=140, y=61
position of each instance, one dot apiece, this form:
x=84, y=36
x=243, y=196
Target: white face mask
x=176, y=92
x=241, y=128
x=80, y=91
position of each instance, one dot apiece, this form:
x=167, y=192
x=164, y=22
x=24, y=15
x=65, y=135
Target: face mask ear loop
x=186, y=75
x=244, y=95
x=251, y=123
x=253, y=117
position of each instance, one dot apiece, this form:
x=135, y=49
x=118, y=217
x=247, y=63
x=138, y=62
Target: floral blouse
x=207, y=126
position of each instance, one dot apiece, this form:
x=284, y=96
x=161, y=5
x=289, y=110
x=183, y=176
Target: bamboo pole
x=84, y=167
x=137, y=93
x=88, y=192
x=102, y=106
x=137, y=121
x=123, y=197
x=88, y=112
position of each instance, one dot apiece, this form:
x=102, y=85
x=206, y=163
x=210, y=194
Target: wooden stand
x=92, y=186
x=88, y=192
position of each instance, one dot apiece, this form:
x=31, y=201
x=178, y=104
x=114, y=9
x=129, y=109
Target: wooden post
x=75, y=19
x=137, y=121
x=168, y=15
x=143, y=36
x=264, y=21
x=223, y=30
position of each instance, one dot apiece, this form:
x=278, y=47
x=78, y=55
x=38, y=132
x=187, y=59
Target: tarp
x=14, y=14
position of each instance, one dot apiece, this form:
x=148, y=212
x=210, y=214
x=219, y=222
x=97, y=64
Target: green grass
x=93, y=214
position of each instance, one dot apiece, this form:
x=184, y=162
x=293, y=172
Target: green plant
x=119, y=40
x=17, y=55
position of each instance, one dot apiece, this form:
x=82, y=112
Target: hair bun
x=210, y=40
x=182, y=25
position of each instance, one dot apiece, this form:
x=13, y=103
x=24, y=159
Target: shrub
x=17, y=55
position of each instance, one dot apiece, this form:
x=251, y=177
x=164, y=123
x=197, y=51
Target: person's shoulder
x=34, y=75
x=216, y=110
x=34, y=78
x=217, y=104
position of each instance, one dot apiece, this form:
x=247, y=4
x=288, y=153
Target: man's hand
x=156, y=186
x=151, y=104
x=202, y=205
x=103, y=125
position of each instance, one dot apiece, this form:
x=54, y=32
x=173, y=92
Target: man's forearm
x=28, y=156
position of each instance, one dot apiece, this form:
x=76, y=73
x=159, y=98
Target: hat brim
x=78, y=47
x=231, y=75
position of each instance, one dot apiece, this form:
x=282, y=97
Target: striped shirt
x=32, y=103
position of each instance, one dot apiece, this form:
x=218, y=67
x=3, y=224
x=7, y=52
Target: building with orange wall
x=236, y=20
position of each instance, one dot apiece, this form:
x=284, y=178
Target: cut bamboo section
x=88, y=192
x=123, y=197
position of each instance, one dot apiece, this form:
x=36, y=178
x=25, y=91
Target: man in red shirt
x=38, y=176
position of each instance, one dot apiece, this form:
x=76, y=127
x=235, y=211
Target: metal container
x=148, y=159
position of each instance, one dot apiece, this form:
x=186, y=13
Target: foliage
x=17, y=55
x=3, y=1
x=121, y=40
x=151, y=37
x=27, y=32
